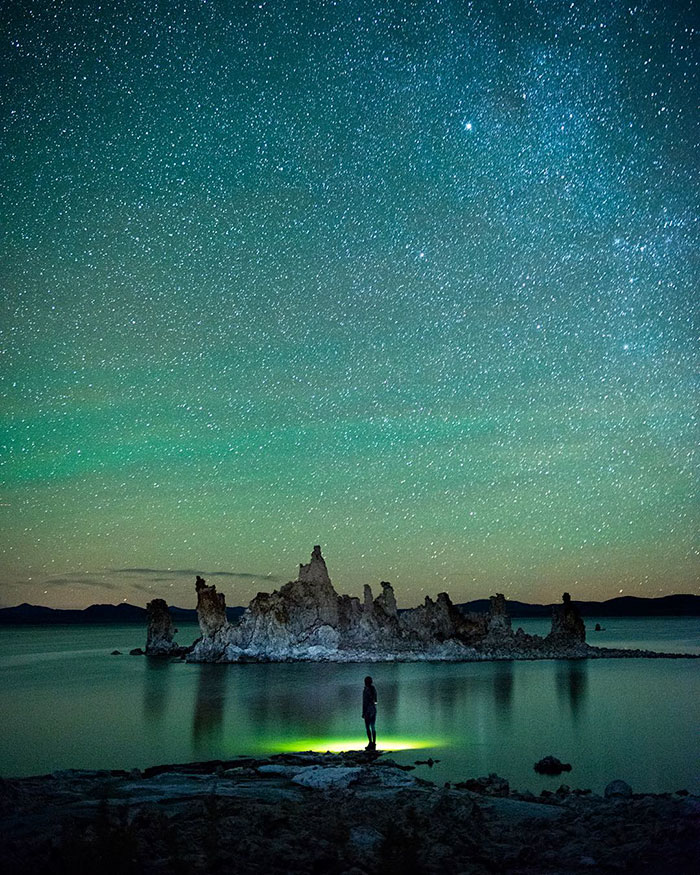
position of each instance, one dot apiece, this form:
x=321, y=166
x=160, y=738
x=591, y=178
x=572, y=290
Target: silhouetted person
x=369, y=712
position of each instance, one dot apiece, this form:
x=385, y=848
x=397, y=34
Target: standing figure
x=369, y=712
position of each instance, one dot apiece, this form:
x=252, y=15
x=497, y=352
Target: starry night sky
x=415, y=281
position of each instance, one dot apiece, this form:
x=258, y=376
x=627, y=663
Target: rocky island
x=307, y=619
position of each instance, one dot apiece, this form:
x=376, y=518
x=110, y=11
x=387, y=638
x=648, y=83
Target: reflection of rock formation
x=279, y=709
x=503, y=685
x=159, y=640
x=209, y=705
x=156, y=689
x=572, y=681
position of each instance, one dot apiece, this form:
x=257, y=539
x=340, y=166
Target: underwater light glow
x=340, y=745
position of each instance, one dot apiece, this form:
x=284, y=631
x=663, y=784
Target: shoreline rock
x=308, y=812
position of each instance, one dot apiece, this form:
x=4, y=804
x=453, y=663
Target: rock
x=493, y=785
x=499, y=623
x=365, y=839
x=517, y=811
x=315, y=571
x=386, y=602
x=327, y=777
x=550, y=765
x=436, y=621
x=568, y=629
x=116, y=653
x=306, y=619
x=618, y=790
x=211, y=608
x=597, y=628
x=136, y=652
x=159, y=639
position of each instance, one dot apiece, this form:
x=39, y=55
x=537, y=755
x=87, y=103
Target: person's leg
x=373, y=728
x=368, y=729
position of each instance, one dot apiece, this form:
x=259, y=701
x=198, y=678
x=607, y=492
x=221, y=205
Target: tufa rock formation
x=211, y=608
x=307, y=619
x=568, y=629
x=159, y=639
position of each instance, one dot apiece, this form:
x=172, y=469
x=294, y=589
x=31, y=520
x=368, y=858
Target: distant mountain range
x=624, y=606
x=25, y=615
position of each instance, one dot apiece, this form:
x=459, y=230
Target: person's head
x=368, y=681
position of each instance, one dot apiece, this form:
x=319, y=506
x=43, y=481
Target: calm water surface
x=67, y=703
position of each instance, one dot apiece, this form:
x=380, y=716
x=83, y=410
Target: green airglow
x=242, y=314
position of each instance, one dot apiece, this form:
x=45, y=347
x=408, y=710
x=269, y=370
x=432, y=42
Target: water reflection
x=209, y=704
x=572, y=682
x=156, y=690
x=388, y=693
x=281, y=703
x=447, y=693
x=503, y=687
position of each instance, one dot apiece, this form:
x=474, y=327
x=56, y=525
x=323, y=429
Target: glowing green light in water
x=339, y=745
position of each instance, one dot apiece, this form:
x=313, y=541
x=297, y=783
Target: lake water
x=67, y=703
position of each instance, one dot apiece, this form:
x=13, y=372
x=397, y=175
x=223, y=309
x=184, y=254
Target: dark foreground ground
x=334, y=813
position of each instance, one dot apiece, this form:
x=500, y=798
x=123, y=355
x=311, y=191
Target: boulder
x=618, y=790
x=491, y=785
x=550, y=765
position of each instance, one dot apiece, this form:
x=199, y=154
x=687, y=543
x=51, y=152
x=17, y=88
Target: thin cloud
x=78, y=580
x=193, y=572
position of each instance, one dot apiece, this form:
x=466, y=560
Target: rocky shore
x=333, y=813
x=308, y=620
